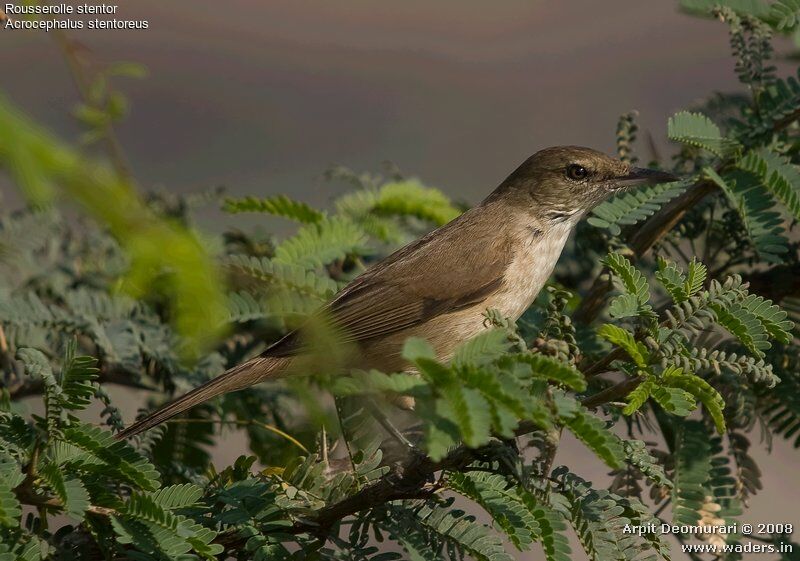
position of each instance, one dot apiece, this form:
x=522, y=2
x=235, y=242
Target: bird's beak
x=644, y=176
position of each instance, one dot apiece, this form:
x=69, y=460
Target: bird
x=496, y=255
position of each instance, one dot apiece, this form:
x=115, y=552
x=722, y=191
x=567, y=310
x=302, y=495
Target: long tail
x=239, y=377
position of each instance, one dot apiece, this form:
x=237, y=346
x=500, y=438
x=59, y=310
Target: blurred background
x=262, y=97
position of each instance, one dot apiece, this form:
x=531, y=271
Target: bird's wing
x=433, y=276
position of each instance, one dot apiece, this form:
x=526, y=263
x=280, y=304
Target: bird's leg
x=384, y=421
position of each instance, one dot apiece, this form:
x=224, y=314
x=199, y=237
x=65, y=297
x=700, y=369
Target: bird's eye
x=576, y=172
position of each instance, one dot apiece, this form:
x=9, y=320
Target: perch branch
x=412, y=478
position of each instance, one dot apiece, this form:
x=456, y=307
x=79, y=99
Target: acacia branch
x=413, y=477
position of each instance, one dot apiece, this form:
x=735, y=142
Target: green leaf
x=316, y=245
x=673, y=280
x=744, y=325
x=37, y=366
x=77, y=380
x=674, y=400
x=278, y=205
x=638, y=456
x=778, y=175
x=695, y=278
x=633, y=282
x=602, y=521
x=635, y=206
x=286, y=275
x=771, y=317
x=698, y=130
x=416, y=348
x=449, y=528
x=625, y=340
x=177, y=496
x=639, y=396
x=70, y=490
x=624, y=306
x=592, y=431
x=120, y=459
x=756, y=8
x=470, y=410
x=10, y=477
x=411, y=198
x=702, y=391
x=503, y=503
x=548, y=368
x=692, y=469
x=483, y=348
x=785, y=13
x=755, y=207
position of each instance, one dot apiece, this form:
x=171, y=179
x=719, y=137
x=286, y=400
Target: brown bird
x=497, y=255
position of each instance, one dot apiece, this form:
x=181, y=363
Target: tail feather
x=237, y=378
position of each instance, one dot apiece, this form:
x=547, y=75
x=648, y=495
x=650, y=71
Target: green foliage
x=692, y=471
x=751, y=319
x=778, y=175
x=512, y=508
x=786, y=13
x=400, y=198
x=285, y=275
x=600, y=517
x=320, y=243
x=632, y=208
x=755, y=207
x=697, y=130
x=701, y=390
x=70, y=490
x=592, y=431
x=634, y=300
x=480, y=392
x=638, y=457
x=430, y=531
x=279, y=205
x=627, y=342
x=157, y=249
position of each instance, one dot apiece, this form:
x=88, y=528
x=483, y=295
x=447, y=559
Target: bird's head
x=564, y=182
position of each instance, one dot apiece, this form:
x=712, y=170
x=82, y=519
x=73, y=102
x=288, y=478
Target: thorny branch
x=409, y=479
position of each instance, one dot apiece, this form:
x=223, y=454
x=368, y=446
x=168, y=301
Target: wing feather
x=435, y=275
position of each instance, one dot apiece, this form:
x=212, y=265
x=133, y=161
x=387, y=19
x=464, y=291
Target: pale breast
x=528, y=272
